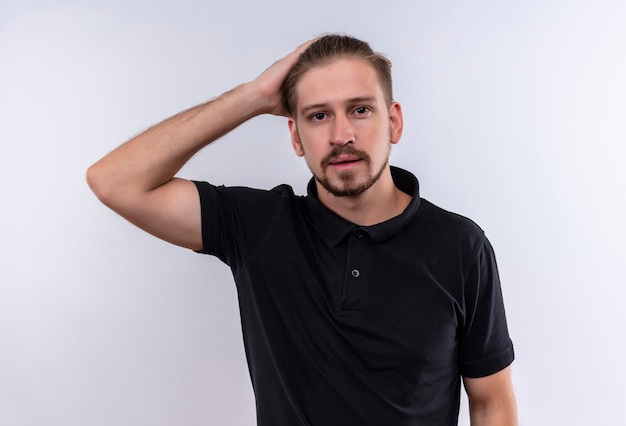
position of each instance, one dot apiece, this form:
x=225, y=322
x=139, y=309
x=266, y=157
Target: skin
x=342, y=127
x=137, y=179
x=492, y=399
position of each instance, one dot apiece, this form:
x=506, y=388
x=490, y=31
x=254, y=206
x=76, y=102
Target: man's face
x=343, y=126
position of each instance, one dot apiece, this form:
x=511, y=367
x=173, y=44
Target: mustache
x=340, y=150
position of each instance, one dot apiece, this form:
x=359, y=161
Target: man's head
x=342, y=117
x=328, y=49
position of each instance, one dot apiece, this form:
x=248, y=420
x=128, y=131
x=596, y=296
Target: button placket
x=355, y=283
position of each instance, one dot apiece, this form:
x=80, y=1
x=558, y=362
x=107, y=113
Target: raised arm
x=137, y=179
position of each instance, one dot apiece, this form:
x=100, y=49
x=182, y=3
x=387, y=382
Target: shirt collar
x=333, y=228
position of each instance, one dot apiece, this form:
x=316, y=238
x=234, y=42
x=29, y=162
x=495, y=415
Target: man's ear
x=395, y=122
x=295, y=137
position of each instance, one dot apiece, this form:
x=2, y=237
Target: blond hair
x=328, y=49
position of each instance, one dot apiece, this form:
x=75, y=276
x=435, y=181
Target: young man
x=361, y=303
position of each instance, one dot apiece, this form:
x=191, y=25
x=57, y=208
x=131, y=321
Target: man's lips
x=349, y=159
x=344, y=157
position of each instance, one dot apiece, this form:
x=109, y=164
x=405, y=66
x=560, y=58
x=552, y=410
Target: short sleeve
x=235, y=220
x=485, y=346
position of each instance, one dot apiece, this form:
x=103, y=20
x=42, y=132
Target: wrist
x=264, y=98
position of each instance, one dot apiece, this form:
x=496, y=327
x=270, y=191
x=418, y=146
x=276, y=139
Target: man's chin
x=345, y=189
x=345, y=184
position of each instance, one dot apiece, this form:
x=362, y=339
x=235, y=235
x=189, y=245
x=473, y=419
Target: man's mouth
x=344, y=162
x=344, y=157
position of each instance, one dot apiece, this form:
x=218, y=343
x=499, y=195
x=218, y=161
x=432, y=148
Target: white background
x=514, y=116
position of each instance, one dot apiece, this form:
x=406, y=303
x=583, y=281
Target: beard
x=348, y=185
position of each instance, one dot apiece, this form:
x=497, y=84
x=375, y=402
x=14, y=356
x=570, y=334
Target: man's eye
x=361, y=110
x=318, y=116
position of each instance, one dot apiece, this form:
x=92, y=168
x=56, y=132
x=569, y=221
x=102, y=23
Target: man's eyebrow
x=356, y=100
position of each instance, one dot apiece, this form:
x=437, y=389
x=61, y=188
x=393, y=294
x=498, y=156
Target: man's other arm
x=491, y=399
x=137, y=179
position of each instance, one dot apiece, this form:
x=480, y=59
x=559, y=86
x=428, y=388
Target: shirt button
x=359, y=235
x=355, y=273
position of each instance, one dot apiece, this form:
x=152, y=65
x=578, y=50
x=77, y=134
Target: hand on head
x=270, y=82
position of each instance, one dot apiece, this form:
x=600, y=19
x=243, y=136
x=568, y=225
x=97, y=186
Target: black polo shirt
x=357, y=325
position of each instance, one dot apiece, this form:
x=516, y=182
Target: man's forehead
x=343, y=78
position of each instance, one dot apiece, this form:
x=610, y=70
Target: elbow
x=117, y=194
x=98, y=183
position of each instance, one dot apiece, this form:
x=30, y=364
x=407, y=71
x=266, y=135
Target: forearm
x=155, y=156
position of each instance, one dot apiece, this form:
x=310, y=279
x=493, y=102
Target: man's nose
x=342, y=131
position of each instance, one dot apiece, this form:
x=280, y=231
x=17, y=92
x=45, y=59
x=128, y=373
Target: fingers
x=304, y=46
x=292, y=57
x=270, y=81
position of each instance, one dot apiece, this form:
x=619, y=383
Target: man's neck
x=381, y=202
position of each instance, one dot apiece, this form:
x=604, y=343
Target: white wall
x=514, y=115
